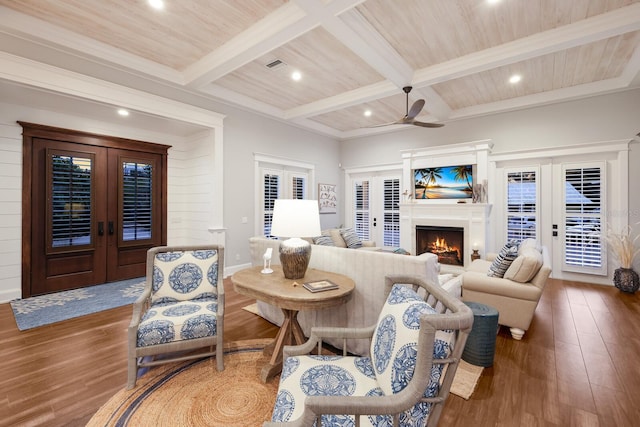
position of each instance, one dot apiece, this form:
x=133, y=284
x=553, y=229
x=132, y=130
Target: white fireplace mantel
x=472, y=217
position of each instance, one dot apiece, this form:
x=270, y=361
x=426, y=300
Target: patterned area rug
x=195, y=394
x=45, y=309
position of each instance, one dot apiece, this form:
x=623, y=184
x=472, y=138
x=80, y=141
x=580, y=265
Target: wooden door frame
x=31, y=131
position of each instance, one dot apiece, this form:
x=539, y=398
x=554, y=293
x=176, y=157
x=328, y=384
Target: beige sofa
x=516, y=295
x=367, y=268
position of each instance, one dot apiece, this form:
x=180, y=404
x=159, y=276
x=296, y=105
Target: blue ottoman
x=481, y=344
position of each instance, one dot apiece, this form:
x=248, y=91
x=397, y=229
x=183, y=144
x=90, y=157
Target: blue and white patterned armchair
x=403, y=382
x=180, y=309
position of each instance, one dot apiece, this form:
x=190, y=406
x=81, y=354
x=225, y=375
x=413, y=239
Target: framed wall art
x=327, y=199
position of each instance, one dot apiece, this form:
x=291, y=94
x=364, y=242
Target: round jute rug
x=194, y=393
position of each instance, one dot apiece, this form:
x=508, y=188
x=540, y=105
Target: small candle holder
x=475, y=255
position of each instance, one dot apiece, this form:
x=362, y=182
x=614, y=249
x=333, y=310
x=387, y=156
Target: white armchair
x=181, y=308
x=402, y=381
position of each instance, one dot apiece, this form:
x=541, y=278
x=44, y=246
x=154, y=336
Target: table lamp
x=295, y=218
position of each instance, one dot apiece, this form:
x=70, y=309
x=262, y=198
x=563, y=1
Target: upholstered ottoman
x=481, y=344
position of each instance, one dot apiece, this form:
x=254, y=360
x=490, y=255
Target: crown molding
x=54, y=79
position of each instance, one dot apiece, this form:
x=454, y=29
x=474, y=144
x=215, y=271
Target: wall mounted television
x=450, y=182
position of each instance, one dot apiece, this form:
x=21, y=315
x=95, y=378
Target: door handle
x=101, y=228
x=111, y=231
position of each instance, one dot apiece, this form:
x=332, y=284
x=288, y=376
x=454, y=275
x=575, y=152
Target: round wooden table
x=290, y=296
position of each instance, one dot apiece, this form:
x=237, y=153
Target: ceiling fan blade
x=415, y=109
x=427, y=125
x=397, y=122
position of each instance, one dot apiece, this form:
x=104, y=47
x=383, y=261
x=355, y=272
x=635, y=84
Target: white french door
x=375, y=211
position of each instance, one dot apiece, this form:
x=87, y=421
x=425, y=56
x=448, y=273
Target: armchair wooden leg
x=132, y=373
x=517, y=333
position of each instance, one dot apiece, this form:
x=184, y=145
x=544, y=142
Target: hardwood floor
x=576, y=366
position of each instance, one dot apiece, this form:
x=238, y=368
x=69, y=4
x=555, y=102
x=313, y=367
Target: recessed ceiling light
x=368, y=113
x=296, y=75
x=156, y=4
x=123, y=112
x=515, y=78
x=493, y=1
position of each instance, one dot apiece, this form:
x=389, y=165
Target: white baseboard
x=230, y=269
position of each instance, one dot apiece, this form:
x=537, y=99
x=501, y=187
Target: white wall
x=246, y=134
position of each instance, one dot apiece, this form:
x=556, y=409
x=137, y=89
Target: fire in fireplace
x=446, y=242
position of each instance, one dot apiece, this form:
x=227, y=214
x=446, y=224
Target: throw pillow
x=499, y=266
x=529, y=243
x=323, y=241
x=337, y=238
x=351, y=238
x=525, y=266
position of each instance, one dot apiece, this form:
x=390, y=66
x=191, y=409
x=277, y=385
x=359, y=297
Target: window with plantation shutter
x=522, y=204
x=298, y=185
x=391, y=213
x=271, y=191
x=278, y=181
x=583, y=218
x=361, y=210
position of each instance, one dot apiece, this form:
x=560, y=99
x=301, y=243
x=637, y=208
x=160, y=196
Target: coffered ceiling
x=353, y=55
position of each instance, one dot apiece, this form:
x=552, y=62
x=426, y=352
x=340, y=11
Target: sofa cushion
x=529, y=244
x=336, y=237
x=525, y=266
x=351, y=238
x=323, y=241
x=507, y=254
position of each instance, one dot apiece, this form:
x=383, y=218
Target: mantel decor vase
x=626, y=279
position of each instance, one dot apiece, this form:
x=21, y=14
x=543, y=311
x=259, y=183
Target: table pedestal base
x=290, y=333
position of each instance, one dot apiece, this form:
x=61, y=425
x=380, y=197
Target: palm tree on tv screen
x=463, y=173
x=429, y=176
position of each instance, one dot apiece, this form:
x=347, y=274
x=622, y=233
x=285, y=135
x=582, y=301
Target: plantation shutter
x=271, y=191
x=137, y=202
x=583, y=218
x=297, y=185
x=361, y=209
x=70, y=211
x=522, y=205
x=391, y=212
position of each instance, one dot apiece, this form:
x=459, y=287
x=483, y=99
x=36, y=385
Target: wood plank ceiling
x=354, y=55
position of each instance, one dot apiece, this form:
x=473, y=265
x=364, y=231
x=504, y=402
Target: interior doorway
x=92, y=207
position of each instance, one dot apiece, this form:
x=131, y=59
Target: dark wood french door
x=97, y=204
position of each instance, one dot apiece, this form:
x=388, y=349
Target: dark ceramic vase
x=626, y=280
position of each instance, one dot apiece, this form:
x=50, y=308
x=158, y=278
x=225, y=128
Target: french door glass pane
x=137, y=201
x=361, y=211
x=583, y=218
x=271, y=193
x=70, y=221
x=391, y=225
x=521, y=205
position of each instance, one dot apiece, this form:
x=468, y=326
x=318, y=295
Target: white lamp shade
x=295, y=218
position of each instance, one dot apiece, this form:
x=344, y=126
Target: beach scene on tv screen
x=451, y=182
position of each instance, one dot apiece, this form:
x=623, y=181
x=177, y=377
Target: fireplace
x=446, y=242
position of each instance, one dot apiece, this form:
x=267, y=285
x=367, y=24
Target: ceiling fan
x=410, y=116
